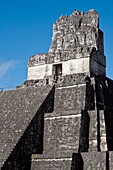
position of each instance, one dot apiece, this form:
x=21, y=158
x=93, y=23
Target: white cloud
x=7, y=66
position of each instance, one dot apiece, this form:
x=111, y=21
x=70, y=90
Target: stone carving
x=75, y=33
x=74, y=37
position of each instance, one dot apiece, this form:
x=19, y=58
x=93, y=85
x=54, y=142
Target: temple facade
x=77, y=47
x=61, y=117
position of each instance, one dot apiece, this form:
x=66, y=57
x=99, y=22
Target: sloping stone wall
x=22, y=121
x=70, y=98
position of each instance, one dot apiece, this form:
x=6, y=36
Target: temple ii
x=61, y=117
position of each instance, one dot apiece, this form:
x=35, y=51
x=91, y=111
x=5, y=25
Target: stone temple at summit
x=61, y=117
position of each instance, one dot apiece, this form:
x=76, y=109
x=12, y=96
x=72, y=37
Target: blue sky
x=26, y=29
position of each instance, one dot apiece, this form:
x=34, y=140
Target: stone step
x=18, y=110
x=70, y=98
x=63, y=113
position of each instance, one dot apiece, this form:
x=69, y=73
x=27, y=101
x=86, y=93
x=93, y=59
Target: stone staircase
x=61, y=129
x=75, y=132
x=17, y=110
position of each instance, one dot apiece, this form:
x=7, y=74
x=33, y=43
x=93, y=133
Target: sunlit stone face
x=77, y=43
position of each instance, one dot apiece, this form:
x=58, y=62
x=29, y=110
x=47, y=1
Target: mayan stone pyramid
x=61, y=117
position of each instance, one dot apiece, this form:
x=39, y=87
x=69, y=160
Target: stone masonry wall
x=77, y=43
x=21, y=127
x=76, y=137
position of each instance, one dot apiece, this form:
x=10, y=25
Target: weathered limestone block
x=76, y=39
x=70, y=98
x=76, y=30
x=94, y=160
x=51, y=164
x=93, y=143
x=103, y=136
x=59, y=135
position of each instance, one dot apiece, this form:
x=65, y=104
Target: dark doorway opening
x=57, y=71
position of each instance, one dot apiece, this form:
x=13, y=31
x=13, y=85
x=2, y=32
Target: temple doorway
x=57, y=71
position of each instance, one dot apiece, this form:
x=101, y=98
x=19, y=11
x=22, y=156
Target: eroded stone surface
x=77, y=43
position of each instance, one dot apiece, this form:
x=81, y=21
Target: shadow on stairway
x=31, y=142
x=77, y=162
